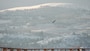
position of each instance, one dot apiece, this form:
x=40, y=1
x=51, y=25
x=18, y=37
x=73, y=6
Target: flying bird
x=53, y=21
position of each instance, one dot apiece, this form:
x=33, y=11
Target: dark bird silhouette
x=53, y=21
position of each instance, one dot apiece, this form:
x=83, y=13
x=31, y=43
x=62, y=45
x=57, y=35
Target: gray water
x=36, y=29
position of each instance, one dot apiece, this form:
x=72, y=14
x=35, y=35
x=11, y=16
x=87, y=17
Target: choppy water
x=35, y=28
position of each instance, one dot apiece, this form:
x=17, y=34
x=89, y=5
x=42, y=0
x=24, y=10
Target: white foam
x=36, y=6
x=47, y=40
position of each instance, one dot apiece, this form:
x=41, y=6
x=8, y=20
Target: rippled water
x=36, y=29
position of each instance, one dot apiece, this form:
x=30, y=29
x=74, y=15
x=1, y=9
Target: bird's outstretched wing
x=53, y=21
